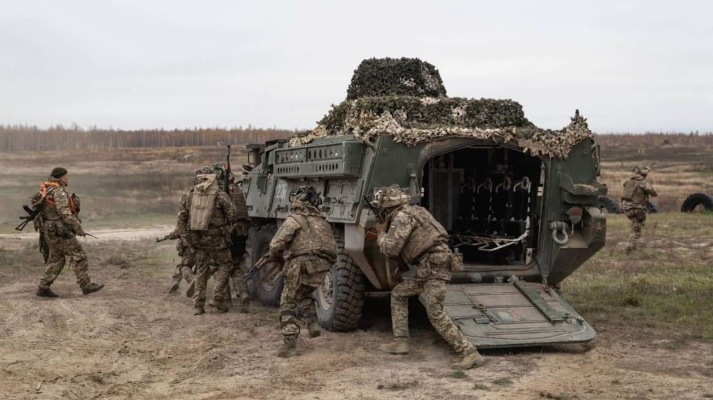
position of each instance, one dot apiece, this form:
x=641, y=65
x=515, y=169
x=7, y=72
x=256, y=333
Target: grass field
x=652, y=309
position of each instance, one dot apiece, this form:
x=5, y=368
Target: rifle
x=31, y=214
x=226, y=185
x=167, y=237
x=271, y=274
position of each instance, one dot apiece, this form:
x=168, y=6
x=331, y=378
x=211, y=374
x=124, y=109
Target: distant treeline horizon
x=74, y=137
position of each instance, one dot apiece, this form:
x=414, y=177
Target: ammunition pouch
x=57, y=228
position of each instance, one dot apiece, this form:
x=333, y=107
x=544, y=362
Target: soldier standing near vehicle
x=239, y=237
x=417, y=238
x=204, y=219
x=634, y=202
x=61, y=227
x=306, y=242
x=184, y=270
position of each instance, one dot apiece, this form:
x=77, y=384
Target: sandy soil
x=131, y=340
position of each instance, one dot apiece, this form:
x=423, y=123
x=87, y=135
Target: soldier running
x=417, y=238
x=61, y=228
x=634, y=203
x=306, y=242
x=204, y=219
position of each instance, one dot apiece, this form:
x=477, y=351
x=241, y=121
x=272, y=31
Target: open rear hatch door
x=514, y=314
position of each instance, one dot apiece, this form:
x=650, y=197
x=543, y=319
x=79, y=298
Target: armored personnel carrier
x=520, y=203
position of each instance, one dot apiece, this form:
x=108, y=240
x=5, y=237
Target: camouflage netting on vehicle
x=412, y=120
x=392, y=76
x=405, y=98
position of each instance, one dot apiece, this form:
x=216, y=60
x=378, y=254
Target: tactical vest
x=314, y=237
x=52, y=221
x=427, y=234
x=634, y=193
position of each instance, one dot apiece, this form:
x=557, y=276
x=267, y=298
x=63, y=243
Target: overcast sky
x=627, y=65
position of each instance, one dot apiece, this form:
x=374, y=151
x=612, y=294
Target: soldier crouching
x=61, y=228
x=306, y=241
x=415, y=236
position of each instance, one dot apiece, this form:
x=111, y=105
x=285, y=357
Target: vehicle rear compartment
x=489, y=199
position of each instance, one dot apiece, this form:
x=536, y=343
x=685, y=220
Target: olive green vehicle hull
x=523, y=224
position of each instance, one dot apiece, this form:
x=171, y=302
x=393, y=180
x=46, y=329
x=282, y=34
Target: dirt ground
x=132, y=340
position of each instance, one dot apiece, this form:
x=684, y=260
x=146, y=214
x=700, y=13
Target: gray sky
x=627, y=65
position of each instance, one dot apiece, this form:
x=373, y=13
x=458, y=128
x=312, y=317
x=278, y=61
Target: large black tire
x=258, y=244
x=609, y=205
x=652, y=207
x=340, y=298
x=695, y=200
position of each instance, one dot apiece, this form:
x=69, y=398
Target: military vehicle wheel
x=653, y=207
x=609, y=205
x=697, y=201
x=258, y=244
x=340, y=298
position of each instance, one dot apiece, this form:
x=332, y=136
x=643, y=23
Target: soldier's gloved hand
x=80, y=232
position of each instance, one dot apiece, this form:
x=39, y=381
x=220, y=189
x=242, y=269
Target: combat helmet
x=642, y=170
x=305, y=195
x=391, y=197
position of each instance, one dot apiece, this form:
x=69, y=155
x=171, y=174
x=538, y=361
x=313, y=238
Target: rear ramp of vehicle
x=516, y=314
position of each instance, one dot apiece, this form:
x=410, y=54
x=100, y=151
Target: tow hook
x=559, y=232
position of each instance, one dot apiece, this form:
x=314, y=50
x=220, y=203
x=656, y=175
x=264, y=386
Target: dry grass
x=666, y=289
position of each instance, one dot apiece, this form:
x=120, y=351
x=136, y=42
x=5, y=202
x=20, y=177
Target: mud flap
x=514, y=314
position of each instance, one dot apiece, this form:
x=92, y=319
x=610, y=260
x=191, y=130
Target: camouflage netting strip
x=533, y=140
x=470, y=113
x=393, y=76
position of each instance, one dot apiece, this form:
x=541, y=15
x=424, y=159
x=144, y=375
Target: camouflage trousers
x=215, y=261
x=637, y=216
x=434, y=293
x=237, y=275
x=60, y=249
x=302, y=275
x=184, y=270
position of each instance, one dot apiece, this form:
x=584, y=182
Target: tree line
x=32, y=138
x=652, y=139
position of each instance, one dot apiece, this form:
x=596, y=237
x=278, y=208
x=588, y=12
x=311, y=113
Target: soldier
x=184, y=270
x=61, y=228
x=634, y=203
x=416, y=237
x=237, y=248
x=306, y=242
x=204, y=219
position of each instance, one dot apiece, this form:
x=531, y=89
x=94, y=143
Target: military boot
x=174, y=286
x=289, y=348
x=221, y=306
x=314, y=328
x=473, y=359
x=211, y=303
x=397, y=346
x=244, y=303
x=191, y=289
x=42, y=292
x=91, y=288
x=198, y=310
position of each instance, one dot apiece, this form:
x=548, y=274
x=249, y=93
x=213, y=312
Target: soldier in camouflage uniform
x=417, y=238
x=61, y=227
x=184, y=270
x=306, y=243
x=204, y=219
x=634, y=202
x=239, y=239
